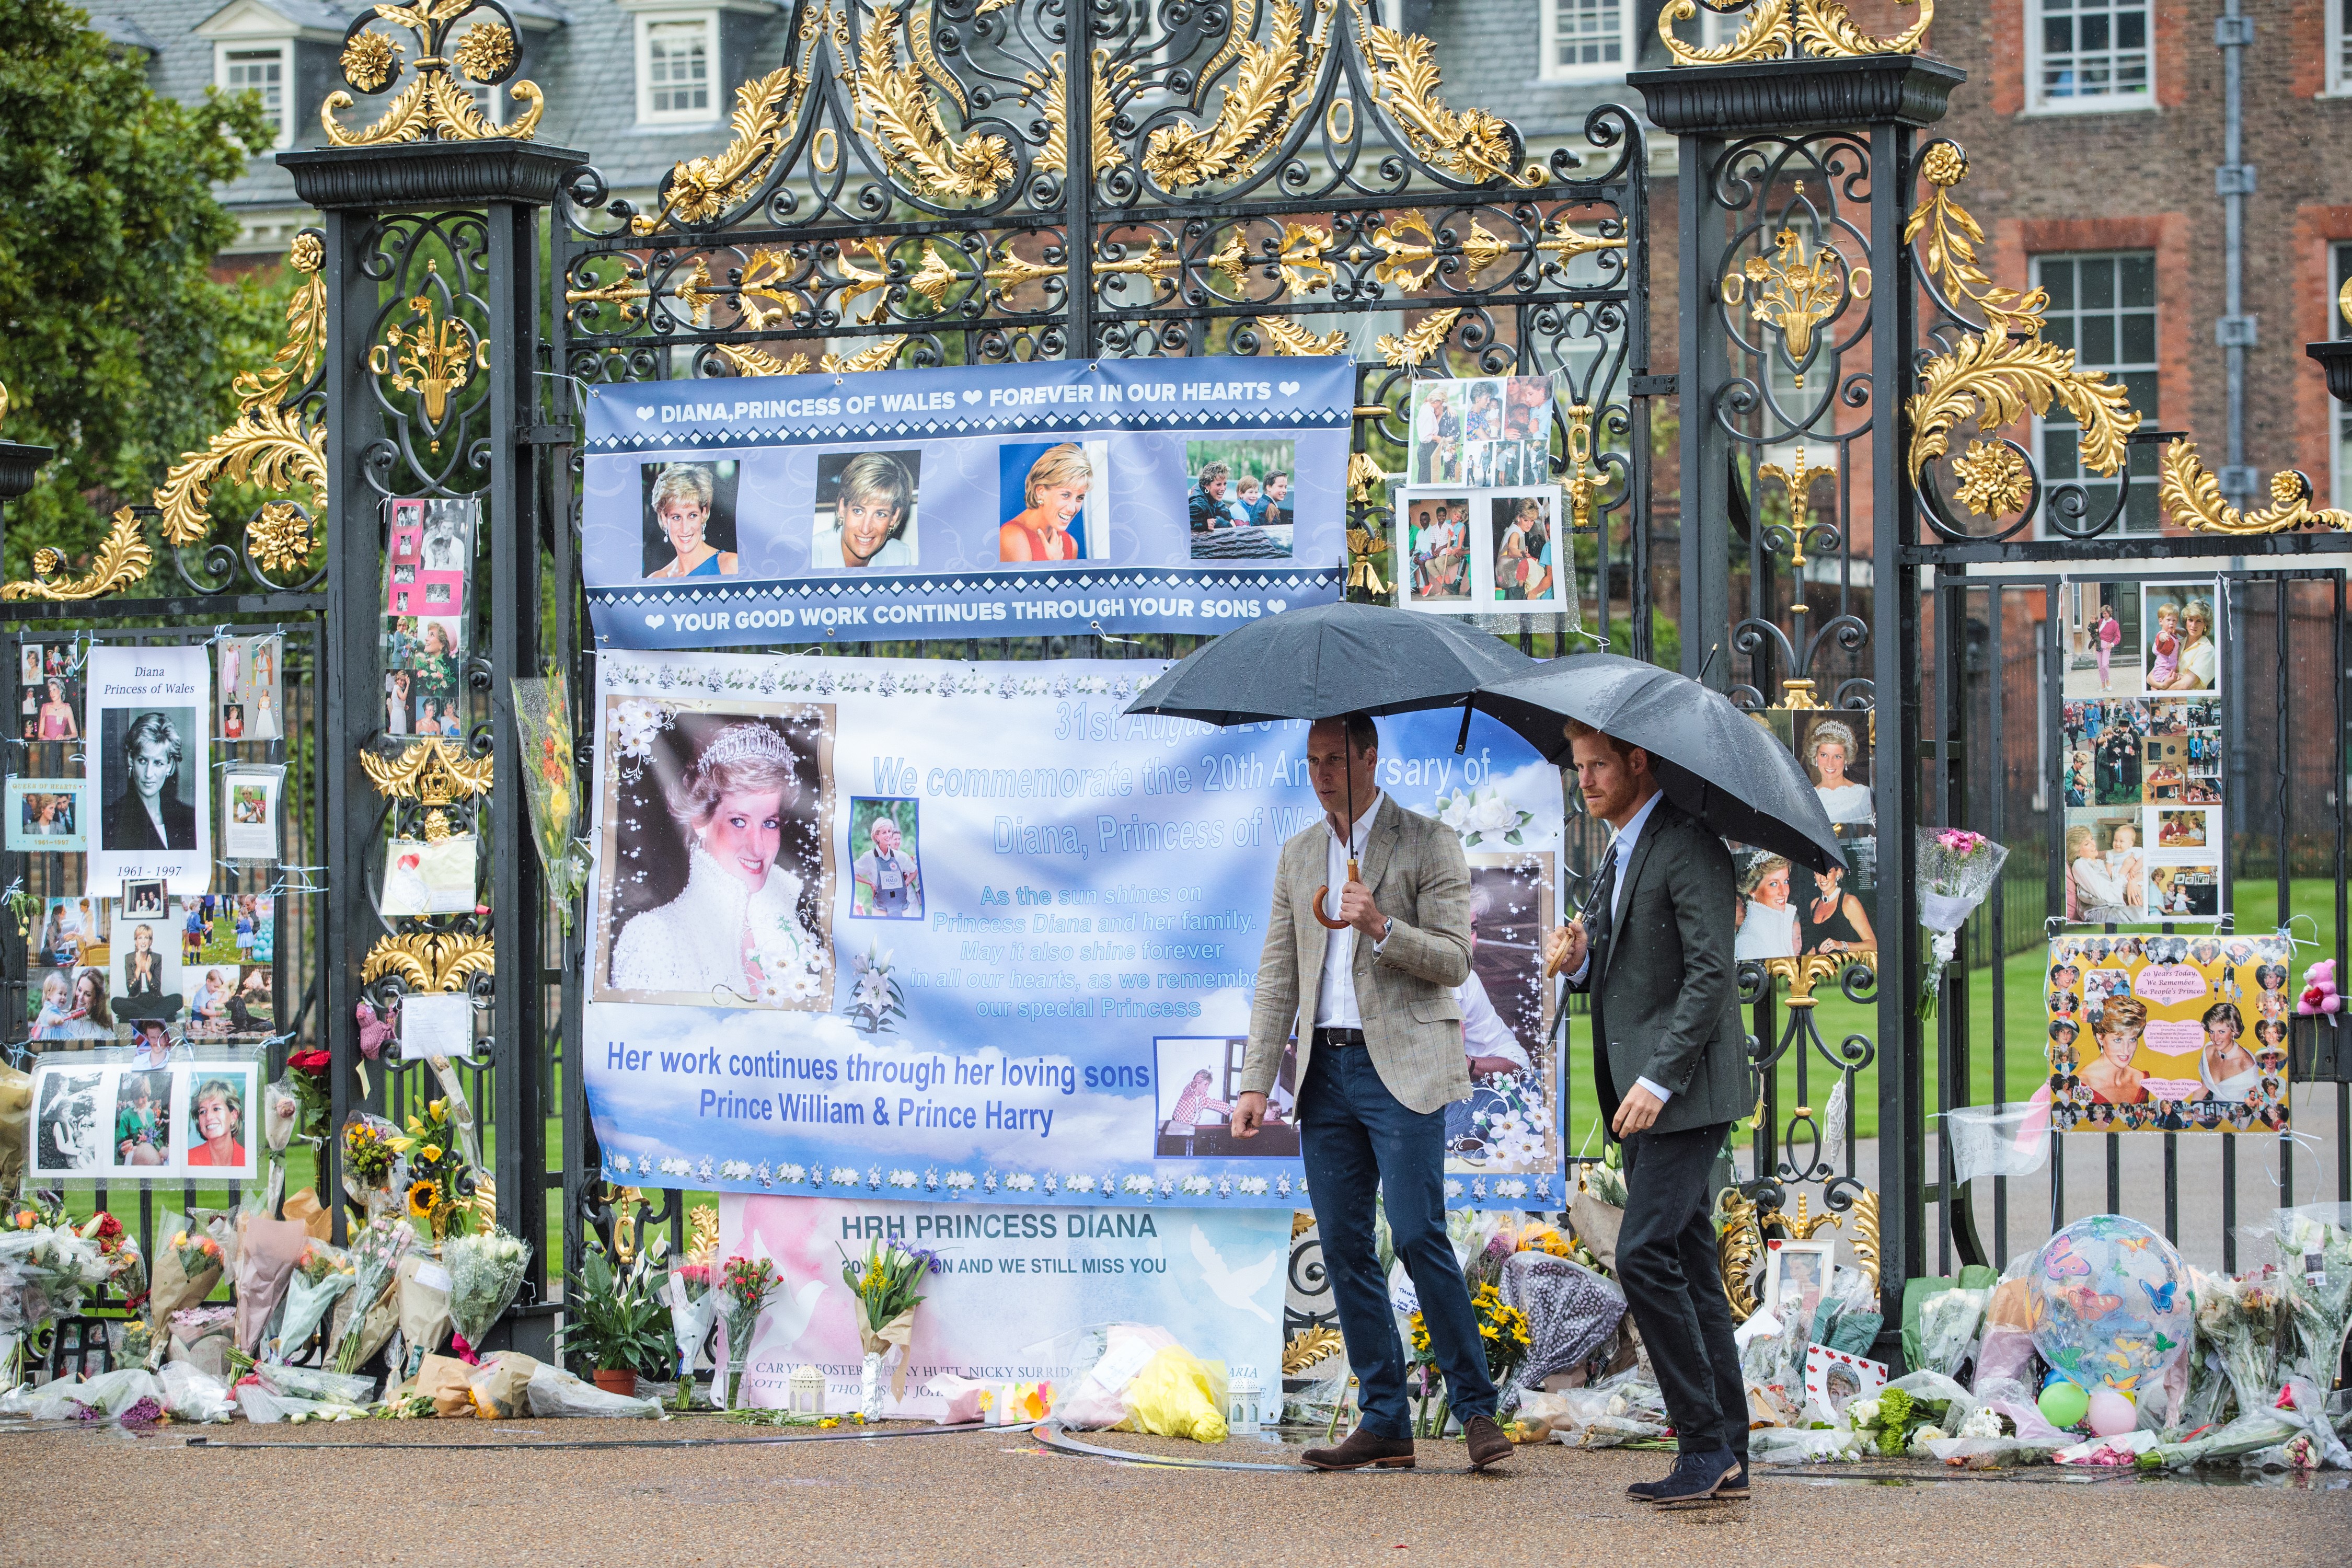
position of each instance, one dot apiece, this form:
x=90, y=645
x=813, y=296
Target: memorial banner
x=996, y=500
x=936, y=930
x=1006, y=1285
x=2169, y=1033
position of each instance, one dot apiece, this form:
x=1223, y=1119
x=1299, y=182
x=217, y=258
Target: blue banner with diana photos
x=921, y=929
x=996, y=500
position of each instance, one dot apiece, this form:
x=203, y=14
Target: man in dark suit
x=147, y=813
x=1670, y=1063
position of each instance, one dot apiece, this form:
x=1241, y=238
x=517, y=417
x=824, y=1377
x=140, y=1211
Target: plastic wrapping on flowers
x=485, y=1272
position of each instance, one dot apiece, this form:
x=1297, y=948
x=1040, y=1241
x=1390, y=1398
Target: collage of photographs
x=428, y=565
x=139, y=1118
x=1782, y=908
x=147, y=966
x=2171, y=1034
x=1478, y=517
x=2140, y=752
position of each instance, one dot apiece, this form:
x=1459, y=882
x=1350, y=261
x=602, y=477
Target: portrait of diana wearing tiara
x=722, y=879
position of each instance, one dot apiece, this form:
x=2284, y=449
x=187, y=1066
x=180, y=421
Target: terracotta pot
x=623, y=1382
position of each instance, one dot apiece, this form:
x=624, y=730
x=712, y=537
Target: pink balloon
x=2112, y=1415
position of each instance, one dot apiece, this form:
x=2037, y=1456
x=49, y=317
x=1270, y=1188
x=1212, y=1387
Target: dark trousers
x=1673, y=1286
x=1359, y=1143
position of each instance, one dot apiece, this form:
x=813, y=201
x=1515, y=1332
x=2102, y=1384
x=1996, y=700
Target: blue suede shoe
x=1696, y=1480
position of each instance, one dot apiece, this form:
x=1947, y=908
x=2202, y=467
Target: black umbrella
x=1330, y=661
x=1712, y=760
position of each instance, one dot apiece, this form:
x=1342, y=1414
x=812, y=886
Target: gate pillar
x=1798, y=328
x=433, y=340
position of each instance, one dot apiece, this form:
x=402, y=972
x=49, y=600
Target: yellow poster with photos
x=2169, y=1033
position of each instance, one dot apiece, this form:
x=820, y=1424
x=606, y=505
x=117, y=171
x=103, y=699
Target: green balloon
x=2065, y=1404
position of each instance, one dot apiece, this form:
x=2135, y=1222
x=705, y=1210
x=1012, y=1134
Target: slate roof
x=585, y=64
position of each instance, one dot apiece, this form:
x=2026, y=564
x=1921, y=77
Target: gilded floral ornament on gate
x=436, y=106
x=1994, y=481
x=279, y=537
x=1775, y=29
x=2007, y=369
x=1795, y=292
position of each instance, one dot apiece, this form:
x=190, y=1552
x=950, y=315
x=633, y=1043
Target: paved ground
x=265, y=1496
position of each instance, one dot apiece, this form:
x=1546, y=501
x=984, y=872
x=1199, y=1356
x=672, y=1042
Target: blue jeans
x=1359, y=1143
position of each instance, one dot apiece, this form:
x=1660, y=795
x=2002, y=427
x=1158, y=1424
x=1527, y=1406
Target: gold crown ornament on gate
x=435, y=106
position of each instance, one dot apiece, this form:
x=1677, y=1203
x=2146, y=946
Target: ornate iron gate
x=898, y=193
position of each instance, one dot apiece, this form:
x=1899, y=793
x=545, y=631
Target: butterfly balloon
x=2109, y=1304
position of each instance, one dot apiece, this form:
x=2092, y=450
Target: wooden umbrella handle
x=1552, y=965
x=1324, y=893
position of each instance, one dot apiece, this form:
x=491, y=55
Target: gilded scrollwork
x=123, y=558
x=1738, y=1245
x=1424, y=340
x=909, y=132
x=2008, y=369
x=1471, y=142
x=429, y=961
x=434, y=106
x=1775, y=29
x=2192, y=498
x=1289, y=338
x=1254, y=114
x=274, y=441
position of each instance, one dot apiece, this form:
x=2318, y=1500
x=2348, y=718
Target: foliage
x=616, y=1320
x=440, y=1181
x=886, y=1281
x=119, y=346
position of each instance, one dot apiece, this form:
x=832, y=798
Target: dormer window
x=262, y=68
x=678, y=56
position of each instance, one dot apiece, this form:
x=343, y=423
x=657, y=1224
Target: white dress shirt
x=1335, y=998
x=1484, y=1033
x=1621, y=849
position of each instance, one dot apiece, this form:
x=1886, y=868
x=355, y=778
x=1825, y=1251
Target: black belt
x=1346, y=1037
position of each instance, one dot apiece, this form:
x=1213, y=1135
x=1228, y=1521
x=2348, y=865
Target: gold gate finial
x=433, y=107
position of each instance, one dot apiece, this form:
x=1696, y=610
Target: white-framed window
x=260, y=68
x=678, y=61
x=2339, y=47
x=2340, y=273
x=1585, y=39
x=2091, y=54
x=2103, y=306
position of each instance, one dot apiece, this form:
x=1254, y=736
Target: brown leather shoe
x=1488, y=1446
x=1365, y=1447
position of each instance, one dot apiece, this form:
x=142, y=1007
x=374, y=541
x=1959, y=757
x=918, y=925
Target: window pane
x=1588, y=32
x=677, y=66
x=2094, y=49
x=262, y=71
x=2103, y=307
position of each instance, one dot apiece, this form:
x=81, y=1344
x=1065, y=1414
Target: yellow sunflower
x=423, y=1196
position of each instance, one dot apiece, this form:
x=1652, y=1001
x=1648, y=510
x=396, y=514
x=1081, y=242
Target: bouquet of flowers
x=320, y=1275
x=374, y=1254
x=440, y=1183
x=693, y=1304
x=746, y=1284
x=1956, y=871
x=45, y=1267
x=544, y=718
x=885, y=1282
x=306, y=1077
x=2314, y=1246
x=126, y=1270
x=485, y=1273
x=371, y=1163
x=2240, y=1320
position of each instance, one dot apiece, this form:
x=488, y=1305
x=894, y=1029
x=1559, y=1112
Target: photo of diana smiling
x=864, y=511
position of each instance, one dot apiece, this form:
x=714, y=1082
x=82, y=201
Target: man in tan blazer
x=1379, y=1057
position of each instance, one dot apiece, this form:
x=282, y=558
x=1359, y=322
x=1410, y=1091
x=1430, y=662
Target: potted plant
x=615, y=1322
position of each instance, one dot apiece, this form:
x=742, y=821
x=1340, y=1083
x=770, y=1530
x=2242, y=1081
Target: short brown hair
x=1579, y=730
x=1362, y=736
x=2121, y=1013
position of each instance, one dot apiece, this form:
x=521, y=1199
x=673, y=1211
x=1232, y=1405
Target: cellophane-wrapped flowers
x=485, y=1273
x=1956, y=868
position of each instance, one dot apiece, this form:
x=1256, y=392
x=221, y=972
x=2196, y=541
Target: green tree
x=117, y=345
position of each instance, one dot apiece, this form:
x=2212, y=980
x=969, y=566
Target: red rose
x=314, y=1063
x=108, y=1227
